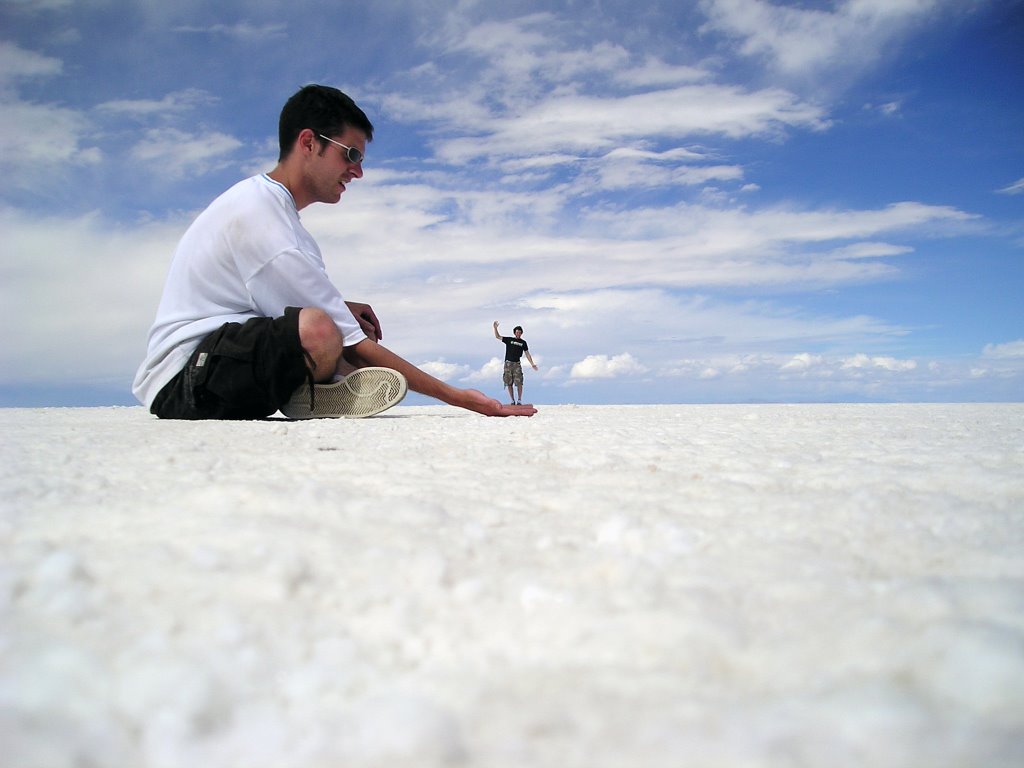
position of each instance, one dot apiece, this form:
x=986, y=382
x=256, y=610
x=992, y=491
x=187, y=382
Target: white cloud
x=605, y=367
x=888, y=109
x=444, y=371
x=38, y=6
x=652, y=73
x=489, y=372
x=802, y=362
x=862, y=361
x=1017, y=188
x=244, y=32
x=529, y=51
x=105, y=278
x=16, y=63
x=449, y=232
x=812, y=42
x=767, y=375
x=536, y=91
x=40, y=144
x=584, y=124
x=761, y=229
x=634, y=154
x=176, y=153
x=1009, y=350
x=639, y=172
x=176, y=103
x=870, y=250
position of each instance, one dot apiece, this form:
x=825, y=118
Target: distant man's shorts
x=513, y=373
x=240, y=371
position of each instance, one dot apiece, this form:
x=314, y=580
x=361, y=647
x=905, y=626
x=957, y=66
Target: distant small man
x=515, y=348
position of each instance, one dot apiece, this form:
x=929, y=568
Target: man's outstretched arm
x=368, y=352
x=496, y=334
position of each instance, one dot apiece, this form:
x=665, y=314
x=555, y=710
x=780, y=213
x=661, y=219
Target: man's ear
x=307, y=142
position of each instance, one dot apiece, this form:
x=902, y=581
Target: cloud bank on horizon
x=724, y=200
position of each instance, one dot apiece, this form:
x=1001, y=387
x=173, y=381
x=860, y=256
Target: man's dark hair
x=322, y=109
x=517, y=328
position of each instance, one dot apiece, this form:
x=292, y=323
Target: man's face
x=518, y=332
x=330, y=170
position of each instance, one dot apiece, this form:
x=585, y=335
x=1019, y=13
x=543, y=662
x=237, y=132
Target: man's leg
x=360, y=390
x=321, y=340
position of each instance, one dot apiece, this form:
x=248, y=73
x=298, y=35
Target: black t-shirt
x=514, y=348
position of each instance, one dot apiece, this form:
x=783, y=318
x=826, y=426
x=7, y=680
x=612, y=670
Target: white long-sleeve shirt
x=247, y=255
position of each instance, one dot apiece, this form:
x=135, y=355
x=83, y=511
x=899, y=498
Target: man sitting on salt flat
x=249, y=322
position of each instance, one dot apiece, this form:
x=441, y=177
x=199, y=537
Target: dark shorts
x=240, y=371
x=513, y=373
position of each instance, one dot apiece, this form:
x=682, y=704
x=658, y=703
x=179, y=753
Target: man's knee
x=322, y=341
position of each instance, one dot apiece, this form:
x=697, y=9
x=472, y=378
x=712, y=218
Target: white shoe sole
x=363, y=393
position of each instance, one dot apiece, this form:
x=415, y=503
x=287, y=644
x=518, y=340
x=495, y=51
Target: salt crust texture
x=596, y=586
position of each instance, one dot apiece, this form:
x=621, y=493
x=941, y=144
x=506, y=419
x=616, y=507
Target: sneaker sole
x=363, y=393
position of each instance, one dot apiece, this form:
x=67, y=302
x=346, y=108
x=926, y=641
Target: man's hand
x=367, y=320
x=473, y=400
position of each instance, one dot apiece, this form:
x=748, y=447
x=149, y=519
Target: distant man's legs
x=513, y=374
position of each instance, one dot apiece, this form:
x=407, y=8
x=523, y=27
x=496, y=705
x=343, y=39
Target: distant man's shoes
x=365, y=392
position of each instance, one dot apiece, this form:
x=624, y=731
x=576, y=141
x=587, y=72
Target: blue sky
x=706, y=201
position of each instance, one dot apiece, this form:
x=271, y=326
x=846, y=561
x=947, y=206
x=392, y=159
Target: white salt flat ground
x=596, y=586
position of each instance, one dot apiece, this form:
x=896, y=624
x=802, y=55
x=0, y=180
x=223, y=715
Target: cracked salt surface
x=595, y=586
